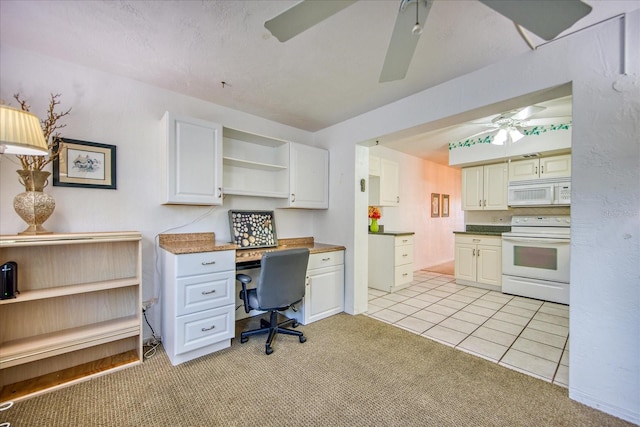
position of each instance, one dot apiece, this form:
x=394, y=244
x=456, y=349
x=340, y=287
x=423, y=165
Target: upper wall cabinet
x=384, y=188
x=308, y=177
x=485, y=187
x=261, y=166
x=540, y=168
x=192, y=166
x=255, y=165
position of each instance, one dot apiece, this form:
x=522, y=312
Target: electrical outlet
x=146, y=305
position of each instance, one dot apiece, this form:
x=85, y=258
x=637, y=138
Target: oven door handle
x=536, y=240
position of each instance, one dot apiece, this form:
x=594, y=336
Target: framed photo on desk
x=253, y=229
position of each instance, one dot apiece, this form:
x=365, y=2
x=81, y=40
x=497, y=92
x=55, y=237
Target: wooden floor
x=446, y=268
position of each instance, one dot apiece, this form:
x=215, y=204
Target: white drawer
x=197, y=293
x=403, y=274
x=205, y=262
x=403, y=240
x=201, y=329
x=403, y=255
x=325, y=259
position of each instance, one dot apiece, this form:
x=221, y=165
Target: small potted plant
x=374, y=215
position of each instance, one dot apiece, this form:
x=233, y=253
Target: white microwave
x=540, y=193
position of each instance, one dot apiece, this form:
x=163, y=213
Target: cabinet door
x=374, y=166
x=472, y=188
x=325, y=293
x=495, y=187
x=555, y=167
x=522, y=170
x=308, y=177
x=465, y=261
x=389, y=183
x=489, y=260
x=193, y=161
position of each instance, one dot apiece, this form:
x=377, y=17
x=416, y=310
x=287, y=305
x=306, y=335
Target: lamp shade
x=21, y=133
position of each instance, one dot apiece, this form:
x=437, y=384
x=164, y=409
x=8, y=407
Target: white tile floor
x=528, y=335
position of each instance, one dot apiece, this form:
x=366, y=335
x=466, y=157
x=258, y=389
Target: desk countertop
x=190, y=243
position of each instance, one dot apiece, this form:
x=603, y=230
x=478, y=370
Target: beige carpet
x=352, y=371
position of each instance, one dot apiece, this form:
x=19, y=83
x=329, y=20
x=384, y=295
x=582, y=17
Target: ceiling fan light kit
x=545, y=18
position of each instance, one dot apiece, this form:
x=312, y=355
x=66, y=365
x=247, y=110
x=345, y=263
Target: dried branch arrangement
x=49, y=126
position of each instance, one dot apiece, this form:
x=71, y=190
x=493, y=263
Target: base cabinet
x=478, y=261
x=324, y=294
x=198, y=312
x=390, y=261
x=78, y=314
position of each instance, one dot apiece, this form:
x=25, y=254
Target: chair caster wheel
x=268, y=350
x=302, y=339
x=244, y=339
x=294, y=324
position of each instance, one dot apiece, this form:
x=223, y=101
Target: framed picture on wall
x=85, y=164
x=445, y=205
x=435, y=205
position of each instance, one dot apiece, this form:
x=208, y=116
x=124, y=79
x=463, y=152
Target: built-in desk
x=200, y=293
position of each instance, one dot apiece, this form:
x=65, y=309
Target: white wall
x=605, y=273
x=112, y=110
x=434, y=239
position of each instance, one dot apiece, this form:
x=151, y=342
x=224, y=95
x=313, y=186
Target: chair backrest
x=282, y=278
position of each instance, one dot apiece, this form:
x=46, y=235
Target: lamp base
x=34, y=207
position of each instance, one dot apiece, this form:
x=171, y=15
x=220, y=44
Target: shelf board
x=26, y=350
x=232, y=161
x=68, y=238
x=253, y=193
x=60, y=291
x=34, y=386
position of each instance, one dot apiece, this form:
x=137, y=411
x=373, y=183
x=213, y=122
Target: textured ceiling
x=323, y=76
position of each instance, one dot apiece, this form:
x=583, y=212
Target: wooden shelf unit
x=78, y=313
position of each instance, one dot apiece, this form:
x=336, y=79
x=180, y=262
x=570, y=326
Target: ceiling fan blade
x=548, y=121
x=545, y=18
x=519, y=114
x=303, y=16
x=403, y=42
x=480, y=133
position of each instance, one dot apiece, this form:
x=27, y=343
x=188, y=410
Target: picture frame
x=85, y=164
x=444, y=206
x=253, y=229
x=435, y=205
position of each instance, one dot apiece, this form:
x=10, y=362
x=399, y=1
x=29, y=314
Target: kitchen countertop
x=394, y=233
x=190, y=243
x=485, y=230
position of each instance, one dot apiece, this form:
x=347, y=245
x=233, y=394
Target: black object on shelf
x=9, y=280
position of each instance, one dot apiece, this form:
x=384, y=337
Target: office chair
x=280, y=285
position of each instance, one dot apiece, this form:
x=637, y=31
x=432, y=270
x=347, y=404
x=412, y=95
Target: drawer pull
x=404, y=255
x=405, y=274
x=326, y=259
x=208, y=329
x=404, y=241
x=213, y=291
x=208, y=263
x=476, y=240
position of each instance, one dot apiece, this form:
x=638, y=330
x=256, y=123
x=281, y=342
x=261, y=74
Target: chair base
x=272, y=327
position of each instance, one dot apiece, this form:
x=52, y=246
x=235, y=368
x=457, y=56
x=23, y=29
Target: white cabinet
x=198, y=296
x=255, y=165
x=478, y=261
x=384, y=188
x=324, y=293
x=540, y=168
x=390, y=261
x=261, y=166
x=192, y=163
x=78, y=314
x=485, y=187
x=308, y=177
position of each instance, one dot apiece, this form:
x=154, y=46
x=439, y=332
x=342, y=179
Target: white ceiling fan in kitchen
x=545, y=18
x=509, y=127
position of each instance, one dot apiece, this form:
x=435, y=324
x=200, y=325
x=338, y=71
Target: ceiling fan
x=545, y=18
x=509, y=126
